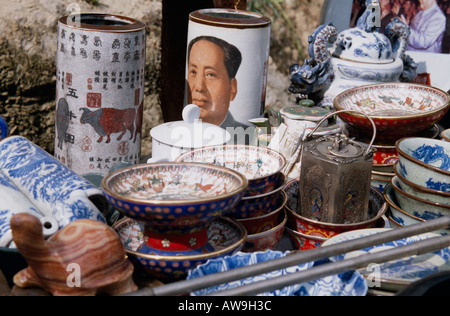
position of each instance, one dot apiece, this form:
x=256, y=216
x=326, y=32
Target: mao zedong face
x=211, y=86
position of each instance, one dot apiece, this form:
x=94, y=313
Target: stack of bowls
x=261, y=210
x=420, y=190
x=309, y=234
x=174, y=215
x=398, y=110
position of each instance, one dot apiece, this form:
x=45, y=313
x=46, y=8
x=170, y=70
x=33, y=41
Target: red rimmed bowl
x=397, y=109
x=269, y=239
x=265, y=222
x=377, y=208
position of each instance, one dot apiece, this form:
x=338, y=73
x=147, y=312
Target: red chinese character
x=68, y=79
x=94, y=100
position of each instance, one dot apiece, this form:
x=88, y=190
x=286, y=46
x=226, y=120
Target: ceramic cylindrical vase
x=227, y=65
x=100, y=91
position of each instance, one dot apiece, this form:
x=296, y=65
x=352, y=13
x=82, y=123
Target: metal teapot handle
x=369, y=149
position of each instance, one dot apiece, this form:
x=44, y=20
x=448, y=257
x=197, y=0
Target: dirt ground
x=28, y=53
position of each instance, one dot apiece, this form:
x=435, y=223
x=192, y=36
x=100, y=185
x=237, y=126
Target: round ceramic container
x=338, y=285
x=422, y=192
x=100, y=75
x=425, y=162
x=259, y=205
x=268, y=239
x=225, y=238
x=398, y=216
x=417, y=206
x=244, y=35
x=175, y=197
x=377, y=208
x=414, y=190
x=303, y=241
x=265, y=222
x=303, y=113
x=262, y=166
x=396, y=274
x=396, y=213
x=398, y=109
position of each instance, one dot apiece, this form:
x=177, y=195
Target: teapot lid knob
x=191, y=113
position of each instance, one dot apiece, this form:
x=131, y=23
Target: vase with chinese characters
x=100, y=91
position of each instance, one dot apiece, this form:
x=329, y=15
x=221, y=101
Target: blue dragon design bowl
x=425, y=162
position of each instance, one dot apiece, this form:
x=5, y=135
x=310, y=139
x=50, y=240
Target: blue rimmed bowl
x=425, y=162
x=225, y=238
x=260, y=165
x=179, y=198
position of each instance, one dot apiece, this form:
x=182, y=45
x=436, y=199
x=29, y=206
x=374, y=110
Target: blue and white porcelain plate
x=346, y=284
x=397, y=274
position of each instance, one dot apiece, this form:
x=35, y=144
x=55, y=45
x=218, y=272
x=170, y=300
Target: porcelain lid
x=365, y=47
x=298, y=112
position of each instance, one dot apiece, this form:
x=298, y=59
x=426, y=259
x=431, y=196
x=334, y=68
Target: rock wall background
x=28, y=51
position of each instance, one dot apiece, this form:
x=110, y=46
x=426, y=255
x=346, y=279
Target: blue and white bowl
x=399, y=217
x=421, y=192
x=425, y=161
x=417, y=206
x=347, y=284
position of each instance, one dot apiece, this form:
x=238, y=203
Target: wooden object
x=85, y=257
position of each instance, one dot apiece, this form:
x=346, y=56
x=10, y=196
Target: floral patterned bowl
x=264, y=222
x=425, y=162
x=175, y=197
x=225, y=238
x=258, y=205
x=398, y=109
x=262, y=166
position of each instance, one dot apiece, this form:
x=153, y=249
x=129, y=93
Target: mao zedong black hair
x=232, y=55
